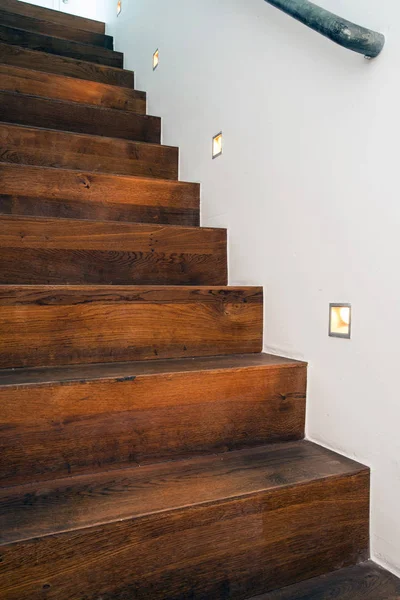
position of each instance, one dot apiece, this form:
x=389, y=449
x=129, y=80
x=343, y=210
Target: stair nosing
x=174, y=369
x=92, y=135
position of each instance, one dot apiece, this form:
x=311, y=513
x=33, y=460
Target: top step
x=45, y=27
x=54, y=16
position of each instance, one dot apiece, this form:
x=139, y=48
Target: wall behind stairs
x=92, y=9
x=308, y=186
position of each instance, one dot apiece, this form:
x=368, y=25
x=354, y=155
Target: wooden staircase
x=149, y=450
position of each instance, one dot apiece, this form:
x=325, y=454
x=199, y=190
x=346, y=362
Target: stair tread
x=53, y=16
x=11, y=54
x=60, y=46
x=39, y=24
x=68, y=115
x=366, y=581
x=130, y=370
x=40, y=509
x=77, y=135
x=25, y=80
x=40, y=146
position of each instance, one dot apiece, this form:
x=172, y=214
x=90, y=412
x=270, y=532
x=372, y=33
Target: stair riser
x=71, y=116
x=54, y=16
x=45, y=192
x=40, y=251
x=60, y=47
x=51, y=63
x=36, y=83
x=68, y=429
x=55, y=29
x=230, y=549
x=59, y=149
x=46, y=326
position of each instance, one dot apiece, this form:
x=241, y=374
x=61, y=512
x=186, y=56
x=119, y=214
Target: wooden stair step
x=51, y=63
x=81, y=118
x=54, y=16
x=60, y=47
x=43, y=250
x=47, y=192
x=60, y=325
x=221, y=526
x=366, y=581
x=60, y=87
x=67, y=150
x=64, y=421
x=39, y=25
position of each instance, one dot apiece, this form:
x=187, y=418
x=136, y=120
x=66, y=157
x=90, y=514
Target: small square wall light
x=217, y=145
x=340, y=320
x=119, y=7
x=156, y=59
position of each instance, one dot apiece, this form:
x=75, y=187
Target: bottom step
x=216, y=527
x=362, y=582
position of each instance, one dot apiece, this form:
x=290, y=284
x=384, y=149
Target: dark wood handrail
x=345, y=33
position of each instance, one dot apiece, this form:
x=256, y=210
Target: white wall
x=99, y=10
x=308, y=187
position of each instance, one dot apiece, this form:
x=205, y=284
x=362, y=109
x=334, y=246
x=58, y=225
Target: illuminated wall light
x=340, y=320
x=156, y=59
x=119, y=7
x=217, y=145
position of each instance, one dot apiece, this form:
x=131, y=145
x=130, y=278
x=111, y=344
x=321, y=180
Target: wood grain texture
x=51, y=63
x=131, y=413
x=29, y=23
x=366, y=581
x=47, y=192
x=81, y=118
x=56, y=325
x=59, y=87
x=54, y=16
x=59, y=149
x=40, y=250
x=59, y=46
x=215, y=527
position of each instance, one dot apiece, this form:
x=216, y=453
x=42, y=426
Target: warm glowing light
x=217, y=145
x=340, y=320
x=156, y=59
x=119, y=7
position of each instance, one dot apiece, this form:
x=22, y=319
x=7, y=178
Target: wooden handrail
x=345, y=33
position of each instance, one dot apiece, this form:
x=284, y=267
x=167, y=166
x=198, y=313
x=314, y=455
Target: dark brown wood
x=77, y=419
x=51, y=148
x=51, y=63
x=59, y=46
x=54, y=16
x=214, y=527
x=42, y=191
x=59, y=87
x=40, y=250
x=55, y=325
x=367, y=581
x=81, y=118
x=36, y=25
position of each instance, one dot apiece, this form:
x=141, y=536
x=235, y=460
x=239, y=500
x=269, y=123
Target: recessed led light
x=119, y=7
x=217, y=145
x=340, y=320
x=156, y=59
